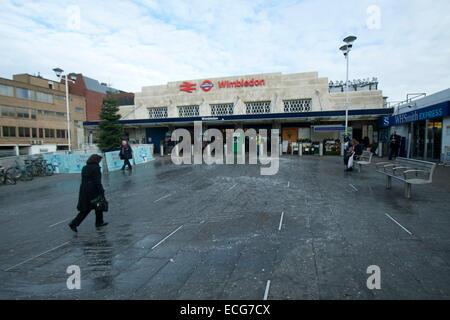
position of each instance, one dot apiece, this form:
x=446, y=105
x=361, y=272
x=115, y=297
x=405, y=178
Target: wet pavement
x=225, y=231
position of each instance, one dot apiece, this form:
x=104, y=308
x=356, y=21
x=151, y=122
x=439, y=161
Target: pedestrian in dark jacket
x=394, y=143
x=90, y=189
x=126, y=153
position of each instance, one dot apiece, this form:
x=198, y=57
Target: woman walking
x=90, y=189
x=126, y=153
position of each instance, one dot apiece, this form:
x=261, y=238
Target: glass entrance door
x=418, y=140
x=434, y=139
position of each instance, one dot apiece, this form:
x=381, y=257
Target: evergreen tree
x=111, y=131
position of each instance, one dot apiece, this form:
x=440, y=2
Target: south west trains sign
x=207, y=85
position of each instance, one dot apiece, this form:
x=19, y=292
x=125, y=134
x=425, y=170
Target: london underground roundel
x=206, y=85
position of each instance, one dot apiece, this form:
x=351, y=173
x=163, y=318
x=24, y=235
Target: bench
x=410, y=171
x=364, y=159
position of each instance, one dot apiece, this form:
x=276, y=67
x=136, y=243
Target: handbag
x=100, y=203
x=350, y=162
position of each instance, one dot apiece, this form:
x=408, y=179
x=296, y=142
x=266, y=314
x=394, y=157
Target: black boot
x=73, y=227
x=101, y=224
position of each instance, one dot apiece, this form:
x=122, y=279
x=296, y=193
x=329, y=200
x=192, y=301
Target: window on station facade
x=299, y=105
x=8, y=131
x=60, y=133
x=8, y=111
x=44, y=97
x=188, y=111
x=6, y=90
x=257, y=107
x=24, y=132
x=222, y=109
x=24, y=93
x=157, y=113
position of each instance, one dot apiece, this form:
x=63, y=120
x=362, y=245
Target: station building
x=424, y=126
x=303, y=107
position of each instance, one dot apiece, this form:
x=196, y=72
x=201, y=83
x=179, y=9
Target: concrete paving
x=224, y=231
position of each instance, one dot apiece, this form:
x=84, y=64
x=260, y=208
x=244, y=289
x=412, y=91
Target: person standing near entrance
x=90, y=189
x=394, y=143
x=126, y=153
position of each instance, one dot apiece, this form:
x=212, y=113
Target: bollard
x=342, y=148
x=300, y=149
x=380, y=149
x=162, y=150
x=321, y=149
x=225, y=149
x=292, y=149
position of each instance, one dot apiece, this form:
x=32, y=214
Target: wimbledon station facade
x=303, y=107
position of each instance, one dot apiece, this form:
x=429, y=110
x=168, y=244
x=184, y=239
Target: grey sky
x=131, y=44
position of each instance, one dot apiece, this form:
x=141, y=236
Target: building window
x=60, y=114
x=9, y=131
x=300, y=105
x=49, y=133
x=8, y=111
x=22, y=113
x=60, y=133
x=44, y=97
x=6, y=90
x=41, y=133
x=81, y=110
x=33, y=132
x=257, y=107
x=188, y=111
x=222, y=109
x=58, y=97
x=24, y=132
x=157, y=113
x=49, y=113
x=33, y=113
x=24, y=93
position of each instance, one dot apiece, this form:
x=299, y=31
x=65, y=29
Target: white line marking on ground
x=281, y=221
x=167, y=195
x=398, y=224
x=232, y=187
x=353, y=187
x=59, y=222
x=37, y=256
x=266, y=293
x=166, y=237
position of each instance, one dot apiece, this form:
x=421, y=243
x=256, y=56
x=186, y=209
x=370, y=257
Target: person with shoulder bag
x=91, y=195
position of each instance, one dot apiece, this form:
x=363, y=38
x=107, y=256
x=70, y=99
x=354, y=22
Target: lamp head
x=58, y=71
x=349, y=40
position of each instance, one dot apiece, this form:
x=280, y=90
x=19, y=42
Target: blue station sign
x=435, y=111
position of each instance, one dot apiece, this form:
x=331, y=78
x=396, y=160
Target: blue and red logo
x=206, y=85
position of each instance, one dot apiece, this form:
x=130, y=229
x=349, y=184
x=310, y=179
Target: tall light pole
x=59, y=73
x=346, y=50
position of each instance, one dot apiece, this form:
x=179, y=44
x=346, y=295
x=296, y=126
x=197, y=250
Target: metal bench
x=410, y=171
x=364, y=159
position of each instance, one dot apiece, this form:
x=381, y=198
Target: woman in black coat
x=90, y=188
x=126, y=153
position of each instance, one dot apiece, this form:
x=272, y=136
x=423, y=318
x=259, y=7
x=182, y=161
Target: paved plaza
x=226, y=232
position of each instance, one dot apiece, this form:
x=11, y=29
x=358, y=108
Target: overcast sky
x=130, y=44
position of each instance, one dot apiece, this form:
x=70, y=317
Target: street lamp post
x=346, y=50
x=59, y=73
